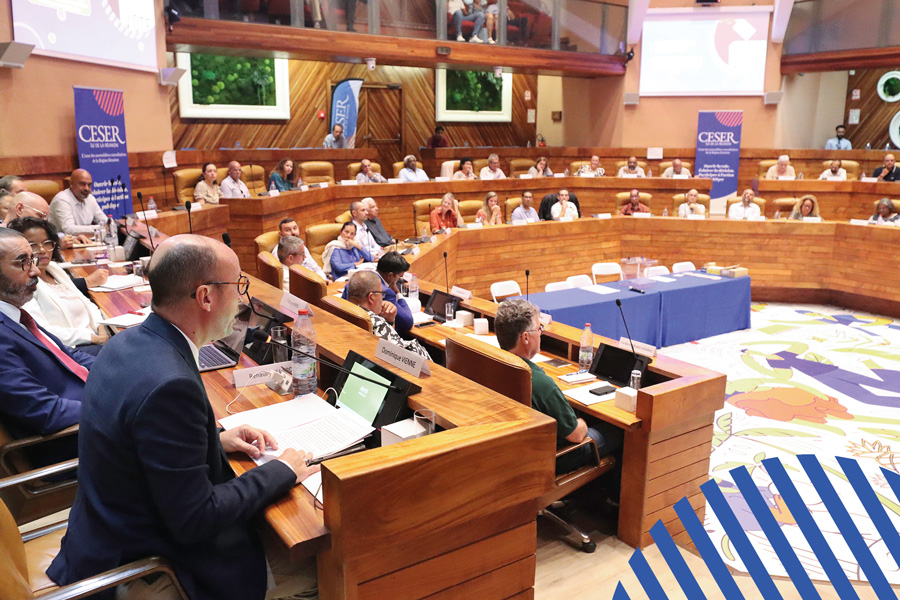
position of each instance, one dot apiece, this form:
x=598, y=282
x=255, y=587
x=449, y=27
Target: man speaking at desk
x=153, y=476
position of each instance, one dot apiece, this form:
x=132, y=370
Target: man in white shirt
x=292, y=251
x=834, y=172
x=690, y=206
x=676, y=170
x=232, y=186
x=492, y=170
x=746, y=208
x=336, y=138
x=563, y=208
x=359, y=212
x=289, y=228
x=839, y=142
x=411, y=172
x=525, y=212
x=367, y=175
x=631, y=169
x=74, y=211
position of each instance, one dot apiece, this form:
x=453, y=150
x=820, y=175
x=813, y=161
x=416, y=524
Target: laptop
x=614, y=365
x=436, y=307
x=226, y=352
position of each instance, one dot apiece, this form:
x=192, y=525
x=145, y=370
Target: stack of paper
x=119, y=282
x=129, y=319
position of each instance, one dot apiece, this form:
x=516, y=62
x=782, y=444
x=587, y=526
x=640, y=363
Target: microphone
x=149, y=232
x=621, y=312
x=527, y=273
x=262, y=336
x=226, y=238
x=187, y=207
x=446, y=277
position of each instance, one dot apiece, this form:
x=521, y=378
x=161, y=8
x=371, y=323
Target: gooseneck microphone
x=227, y=239
x=262, y=336
x=621, y=312
x=149, y=232
x=527, y=273
x=187, y=207
x=446, y=276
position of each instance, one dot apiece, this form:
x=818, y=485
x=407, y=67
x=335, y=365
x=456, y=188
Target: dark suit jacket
x=39, y=395
x=894, y=175
x=153, y=478
x=379, y=234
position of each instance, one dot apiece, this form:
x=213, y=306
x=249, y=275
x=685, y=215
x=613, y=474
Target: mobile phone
x=426, y=324
x=602, y=390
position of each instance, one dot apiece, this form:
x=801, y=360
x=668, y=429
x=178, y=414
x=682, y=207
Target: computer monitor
x=263, y=318
x=437, y=303
x=614, y=364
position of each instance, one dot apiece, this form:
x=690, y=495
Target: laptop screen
x=363, y=397
x=438, y=301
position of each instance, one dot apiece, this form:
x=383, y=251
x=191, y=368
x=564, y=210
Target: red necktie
x=64, y=358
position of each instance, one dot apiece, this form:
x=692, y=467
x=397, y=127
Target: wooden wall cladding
x=310, y=93
x=874, y=113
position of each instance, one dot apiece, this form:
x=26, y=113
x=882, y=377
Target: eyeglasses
x=377, y=292
x=539, y=328
x=46, y=246
x=26, y=263
x=41, y=214
x=243, y=284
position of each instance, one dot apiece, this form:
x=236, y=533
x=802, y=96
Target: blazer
x=153, y=477
x=39, y=394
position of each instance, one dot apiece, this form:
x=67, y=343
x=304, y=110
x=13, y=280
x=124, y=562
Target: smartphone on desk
x=426, y=324
x=602, y=390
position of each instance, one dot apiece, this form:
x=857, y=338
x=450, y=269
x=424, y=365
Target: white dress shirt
x=366, y=239
x=738, y=211
x=234, y=189
x=63, y=310
x=487, y=174
x=685, y=209
x=841, y=175
x=74, y=217
x=624, y=171
x=670, y=172
x=407, y=175
x=838, y=144
x=15, y=315
x=571, y=211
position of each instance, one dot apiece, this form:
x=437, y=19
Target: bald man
x=75, y=211
x=153, y=476
x=232, y=186
x=889, y=171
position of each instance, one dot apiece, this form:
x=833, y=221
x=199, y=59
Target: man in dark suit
x=43, y=380
x=889, y=171
x=153, y=475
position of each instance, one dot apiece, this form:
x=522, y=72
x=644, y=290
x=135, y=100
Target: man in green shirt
x=518, y=330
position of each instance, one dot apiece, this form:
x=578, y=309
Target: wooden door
x=380, y=123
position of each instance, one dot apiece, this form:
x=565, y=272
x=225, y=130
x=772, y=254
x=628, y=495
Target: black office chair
x=549, y=200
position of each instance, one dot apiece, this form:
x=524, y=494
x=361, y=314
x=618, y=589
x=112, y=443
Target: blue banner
x=719, y=150
x=102, y=151
x=345, y=108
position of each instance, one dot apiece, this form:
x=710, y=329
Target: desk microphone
x=621, y=312
x=262, y=336
x=446, y=277
x=187, y=207
x=149, y=232
x=527, y=273
x=226, y=238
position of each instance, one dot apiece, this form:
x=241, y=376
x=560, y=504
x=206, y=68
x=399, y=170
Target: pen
x=136, y=312
x=634, y=289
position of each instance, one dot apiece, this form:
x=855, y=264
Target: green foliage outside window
x=891, y=87
x=232, y=80
x=474, y=90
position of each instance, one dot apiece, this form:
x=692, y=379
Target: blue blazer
x=153, y=477
x=39, y=395
x=342, y=260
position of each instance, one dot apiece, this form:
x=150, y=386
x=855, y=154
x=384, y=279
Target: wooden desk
x=838, y=200
x=211, y=220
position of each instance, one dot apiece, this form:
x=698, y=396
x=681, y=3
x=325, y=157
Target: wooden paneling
x=874, y=113
x=844, y=60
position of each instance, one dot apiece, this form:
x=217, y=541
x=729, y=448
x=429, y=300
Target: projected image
x=686, y=54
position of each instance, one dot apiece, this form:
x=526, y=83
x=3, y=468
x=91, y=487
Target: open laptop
x=226, y=352
x=437, y=302
x=614, y=365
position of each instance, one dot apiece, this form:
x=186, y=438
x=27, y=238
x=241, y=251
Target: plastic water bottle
x=112, y=232
x=665, y=211
x=777, y=215
x=800, y=176
x=413, y=287
x=151, y=205
x=649, y=173
x=272, y=187
x=303, y=368
x=869, y=146
x=586, y=352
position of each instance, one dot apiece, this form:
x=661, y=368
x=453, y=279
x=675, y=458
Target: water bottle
x=649, y=173
x=586, y=352
x=272, y=187
x=151, y=205
x=868, y=146
x=303, y=368
x=665, y=211
x=635, y=383
x=887, y=146
x=112, y=232
x=777, y=215
x=413, y=287
x=800, y=176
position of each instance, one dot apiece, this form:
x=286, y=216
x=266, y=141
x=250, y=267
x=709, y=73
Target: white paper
x=601, y=289
x=577, y=377
x=662, y=279
x=313, y=484
x=119, y=282
x=168, y=159
x=526, y=176
x=299, y=411
x=654, y=153
x=126, y=320
x=421, y=317
x=144, y=215
x=332, y=433
x=582, y=394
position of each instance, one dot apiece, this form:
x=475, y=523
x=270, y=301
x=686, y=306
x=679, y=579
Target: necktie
x=64, y=358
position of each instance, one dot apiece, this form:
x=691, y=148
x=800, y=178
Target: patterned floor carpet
x=806, y=380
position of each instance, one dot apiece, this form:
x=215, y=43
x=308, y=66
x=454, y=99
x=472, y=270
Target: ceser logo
x=716, y=136
x=99, y=133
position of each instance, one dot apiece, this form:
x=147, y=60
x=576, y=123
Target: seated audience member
x=489, y=213
x=29, y=204
x=634, y=205
x=518, y=330
x=525, y=212
x=74, y=211
x=5, y=204
x=834, y=172
x=676, y=170
x=344, y=253
x=232, y=186
x=288, y=228
x=207, y=190
x=545, y=212
x=391, y=268
x=492, y=170
x=446, y=216
x=366, y=290
x=336, y=138
x=888, y=171
x=153, y=477
x=563, y=208
x=746, y=208
x=459, y=11
x=12, y=184
x=540, y=168
x=839, y=142
x=58, y=305
x=367, y=175
x=807, y=206
x=781, y=168
x=466, y=170
x=411, y=172
x=374, y=224
x=283, y=176
x=591, y=169
x=292, y=251
x=631, y=168
x=359, y=212
x=43, y=379
x=690, y=206
x=884, y=213
x=438, y=140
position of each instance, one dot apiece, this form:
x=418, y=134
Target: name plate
x=565, y=219
x=442, y=179
x=693, y=217
x=639, y=347
x=291, y=305
x=869, y=179
x=460, y=293
x=603, y=216
x=628, y=175
x=403, y=359
x=255, y=375
x=146, y=214
x=394, y=180
x=526, y=176
x=559, y=174
x=680, y=176
x=812, y=219
x=859, y=222
x=323, y=184
x=759, y=218
x=475, y=225
x=272, y=193
x=588, y=174
x=786, y=178
x=545, y=318
x=519, y=222
x=349, y=182
x=415, y=250
x=641, y=215
x=304, y=188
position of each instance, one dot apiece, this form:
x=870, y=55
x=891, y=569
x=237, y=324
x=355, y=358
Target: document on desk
x=662, y=279
x=119, y=282
x=583, y=394
x=421, y=317
x=129, y=319
x=600, y=289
